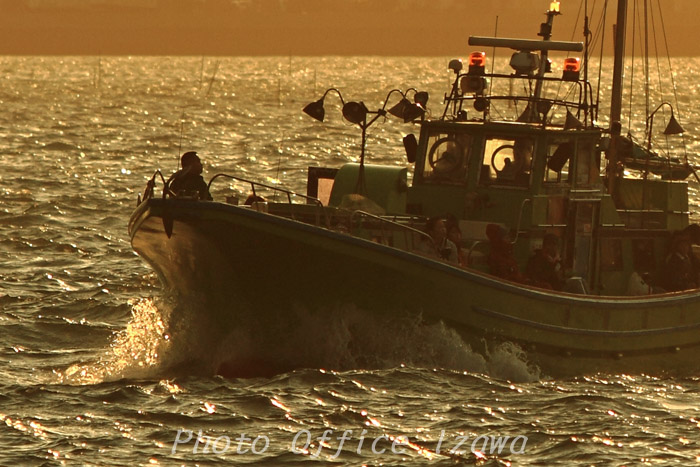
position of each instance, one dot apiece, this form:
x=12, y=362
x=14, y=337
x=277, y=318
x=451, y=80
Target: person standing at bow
x=188, y=181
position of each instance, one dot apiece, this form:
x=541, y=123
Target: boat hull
x=215, y=254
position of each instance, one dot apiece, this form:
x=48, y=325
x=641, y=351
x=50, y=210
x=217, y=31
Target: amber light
x=477, y=59
x=572, y=64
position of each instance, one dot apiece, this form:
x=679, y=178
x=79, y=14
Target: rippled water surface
x=90, y=375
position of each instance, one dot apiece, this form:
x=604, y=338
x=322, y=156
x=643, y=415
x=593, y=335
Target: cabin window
x=559, y=154
x=447, y=157
x=587, y=170
x=507, y=161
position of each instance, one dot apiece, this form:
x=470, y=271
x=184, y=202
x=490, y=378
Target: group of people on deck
x=543, y=268
x=680, y=270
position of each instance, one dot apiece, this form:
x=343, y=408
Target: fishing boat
x=526, y=164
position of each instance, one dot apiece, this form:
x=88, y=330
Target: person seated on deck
x=680, y=270
x=440, y=247
x=501, y=261
x=454, y=234
x=188, y=181
x=544, y=266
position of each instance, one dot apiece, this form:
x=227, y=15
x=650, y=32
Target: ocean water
x=90, y=375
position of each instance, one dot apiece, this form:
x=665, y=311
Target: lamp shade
x=421, y=98
x=673, y=127
x=316, y=110
x=355, y=112
x=399, y=109
x=412, y=112
x=407, y=111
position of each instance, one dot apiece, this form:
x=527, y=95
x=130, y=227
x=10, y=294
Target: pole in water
x=279, y=89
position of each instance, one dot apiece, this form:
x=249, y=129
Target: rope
x=600, y=62
x=673, y=80
x=631, y=91
x=647, y=73
x=658, y=64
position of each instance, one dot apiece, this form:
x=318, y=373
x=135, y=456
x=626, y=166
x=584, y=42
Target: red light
x=572, y=64
x=477, y=59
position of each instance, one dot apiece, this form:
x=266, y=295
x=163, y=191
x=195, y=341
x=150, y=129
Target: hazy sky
x=302, y=27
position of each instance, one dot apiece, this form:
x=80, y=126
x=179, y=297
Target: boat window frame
x=506, y=140
x=553, y=144
x=436, y=139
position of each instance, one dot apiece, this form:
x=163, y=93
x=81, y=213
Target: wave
x=167, y=339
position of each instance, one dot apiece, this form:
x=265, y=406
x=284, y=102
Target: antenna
x=493, y=53
x=182, y=130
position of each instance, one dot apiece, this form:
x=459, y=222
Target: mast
x=546, y=34
x=616, y=100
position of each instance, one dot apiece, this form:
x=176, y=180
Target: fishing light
x=572, y=64
x=408, y=110
x=355, y=112
x=455, y=65
x=316, y=110
x=572, y=69
x=673, y=127
x=477, y=63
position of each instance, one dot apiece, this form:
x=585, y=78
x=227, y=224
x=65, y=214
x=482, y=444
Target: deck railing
x=255, y=188
x=387, y=226
x=384, y=222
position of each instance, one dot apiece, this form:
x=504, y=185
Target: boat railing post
x=520, y=218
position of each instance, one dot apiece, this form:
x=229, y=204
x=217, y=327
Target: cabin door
x=581, y=238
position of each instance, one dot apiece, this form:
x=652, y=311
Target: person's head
x=435, y=227
x=495, y=233
x=522, y=153
x=523, y=145
x=680, y=242
x=190, y=162
x=550, y=244
x=694, y=231
x=454, y=233
x=497, y=236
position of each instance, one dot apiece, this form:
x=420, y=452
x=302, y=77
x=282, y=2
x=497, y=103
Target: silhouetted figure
x=188, y=181
x=454, y=234
x=501, y=261
x=508, y=172
x=680, y=270
x=544, y=266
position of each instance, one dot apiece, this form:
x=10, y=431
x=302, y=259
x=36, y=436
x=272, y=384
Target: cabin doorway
x=581, y=235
